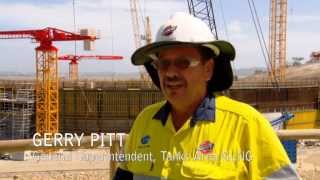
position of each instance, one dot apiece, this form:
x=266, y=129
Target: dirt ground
x=308, y=162
x=93, y=165
x=71, y=165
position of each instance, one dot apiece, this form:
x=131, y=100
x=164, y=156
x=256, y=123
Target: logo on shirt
x=145, y=139
x=167, y=31
x=206, y=147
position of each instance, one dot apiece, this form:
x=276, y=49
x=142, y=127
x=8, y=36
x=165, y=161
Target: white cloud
x=238, y=30
x=98, y=14
x=235, y=27
x=298, y=45
x=301, y=44
x=116, y=33
x=248, y=53
x=30, y=16
x=303, y=19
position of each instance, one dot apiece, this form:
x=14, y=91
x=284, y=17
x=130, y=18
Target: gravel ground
x=57, y=175
x=74, y=165
x=92, y=165
x=308, y=165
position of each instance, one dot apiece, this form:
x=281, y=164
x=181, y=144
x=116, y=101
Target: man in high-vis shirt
x=197, y=133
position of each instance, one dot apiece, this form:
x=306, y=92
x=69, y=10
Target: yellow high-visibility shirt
x=224, y=139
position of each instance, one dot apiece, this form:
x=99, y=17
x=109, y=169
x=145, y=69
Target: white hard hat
x=185, y=30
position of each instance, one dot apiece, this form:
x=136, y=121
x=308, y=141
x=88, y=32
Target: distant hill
x=244, y=72
x=304, y=71
x=299, y=72
x=83, y=76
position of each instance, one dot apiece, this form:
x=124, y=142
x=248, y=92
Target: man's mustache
x=174, y=79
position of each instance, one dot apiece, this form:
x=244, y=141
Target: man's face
x=180, y=83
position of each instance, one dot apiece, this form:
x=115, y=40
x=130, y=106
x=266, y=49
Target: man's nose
x=171, y=71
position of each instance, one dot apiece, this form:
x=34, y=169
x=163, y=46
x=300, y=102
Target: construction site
x=48, y=103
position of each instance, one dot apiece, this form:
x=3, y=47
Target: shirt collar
x=205, y=112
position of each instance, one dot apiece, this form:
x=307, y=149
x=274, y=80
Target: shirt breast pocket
x=199, y=169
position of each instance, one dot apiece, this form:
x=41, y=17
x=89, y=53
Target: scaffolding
x=17, y=111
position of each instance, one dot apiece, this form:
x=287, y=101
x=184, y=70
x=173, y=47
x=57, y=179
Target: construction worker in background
x=197, y=133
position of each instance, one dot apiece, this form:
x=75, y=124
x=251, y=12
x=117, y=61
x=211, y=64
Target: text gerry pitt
x=73, y=139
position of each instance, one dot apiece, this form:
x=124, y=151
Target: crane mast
x=135, y=22
x=47, y=90
x=138, y=37
x=278, y=38
x=148, y=31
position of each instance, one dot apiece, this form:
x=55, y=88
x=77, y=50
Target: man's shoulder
x=146, y=114
x=153, y=107
x=225, y=103
x=151, y=110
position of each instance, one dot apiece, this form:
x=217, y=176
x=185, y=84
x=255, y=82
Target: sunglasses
x=180, y=63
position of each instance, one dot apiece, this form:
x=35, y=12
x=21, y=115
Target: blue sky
x=113, y=21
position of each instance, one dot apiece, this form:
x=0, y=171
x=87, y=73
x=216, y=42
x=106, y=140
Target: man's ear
x=209, y=68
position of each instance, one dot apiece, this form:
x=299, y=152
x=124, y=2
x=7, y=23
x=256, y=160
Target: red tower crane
x=47, y=85
x=74, y=59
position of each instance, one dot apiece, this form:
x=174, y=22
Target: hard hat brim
x=224, y=52
x=220, y=48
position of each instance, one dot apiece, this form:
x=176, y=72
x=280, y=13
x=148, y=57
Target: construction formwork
x=278, y=99
x=17, y=111
x=103, y=110
x=113, y=106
